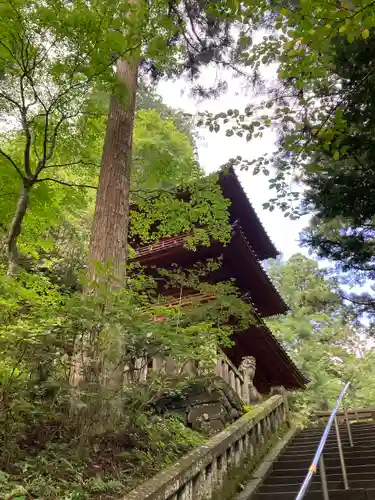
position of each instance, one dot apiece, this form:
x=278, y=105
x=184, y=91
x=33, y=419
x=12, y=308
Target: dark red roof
x=251, y=277
x=242, y=210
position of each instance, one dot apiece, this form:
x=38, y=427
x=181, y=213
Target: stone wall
x=207, y=404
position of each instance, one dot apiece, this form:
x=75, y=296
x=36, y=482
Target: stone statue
x=247, y=369
x=277, y=389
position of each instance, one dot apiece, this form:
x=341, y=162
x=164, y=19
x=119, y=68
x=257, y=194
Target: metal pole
x=348, y=426
x=323, y=478
x=342, y=460
x=314, y=464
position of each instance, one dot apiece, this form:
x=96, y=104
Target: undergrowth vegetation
x=66, y=441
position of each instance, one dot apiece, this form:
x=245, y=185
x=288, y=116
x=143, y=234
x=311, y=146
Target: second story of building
x=240, y=259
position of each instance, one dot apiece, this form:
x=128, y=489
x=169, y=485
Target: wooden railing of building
x=162, y=244
x=202, y=474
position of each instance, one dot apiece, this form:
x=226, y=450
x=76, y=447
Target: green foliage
x=57, y=70
x=113, y=462
x=163, y=156
x=323, y=337
x=343, y=227
x=322, y=108
x=82, y=452
x=199, y=209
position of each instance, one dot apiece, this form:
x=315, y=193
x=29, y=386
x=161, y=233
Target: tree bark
x=15, y=230
x=109, y=233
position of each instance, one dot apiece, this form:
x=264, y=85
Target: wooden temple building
x=241, y=260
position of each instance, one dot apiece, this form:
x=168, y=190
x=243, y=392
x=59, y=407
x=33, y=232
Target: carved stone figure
x=277, y=389
x=247, y=368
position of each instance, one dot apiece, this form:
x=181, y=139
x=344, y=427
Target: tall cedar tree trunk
x=15, y=230
x=109, y=233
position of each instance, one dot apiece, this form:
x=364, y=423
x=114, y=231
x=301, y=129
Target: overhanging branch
x=64, y=183
x=72, y=164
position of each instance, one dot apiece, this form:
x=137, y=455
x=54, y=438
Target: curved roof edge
x=280, y=350
x=241, y=209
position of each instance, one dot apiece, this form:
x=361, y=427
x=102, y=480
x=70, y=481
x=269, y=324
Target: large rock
x=210, y=411
x=206, y=403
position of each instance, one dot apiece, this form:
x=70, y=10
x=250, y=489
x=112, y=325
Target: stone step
x=331, y=477
x=300, y=439
x=370, y=445
x=361, y=438
x=354, y=428
x=332, y=433
x=333, y=453
x=342, y=423
x=318, y=495
x=287, y=463
x=354, y=425
x=362, y=441
x=351, y=469
x=332, y=485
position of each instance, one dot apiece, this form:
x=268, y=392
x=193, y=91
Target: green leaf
x=365, y=34
x=369, y=22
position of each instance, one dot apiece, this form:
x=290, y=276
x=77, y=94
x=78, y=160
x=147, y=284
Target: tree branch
x=355, y=13
x=334, y=108
x=26, y=130
x=8, y=98
x=3, y=153
x=64, y=183
x=72, y=164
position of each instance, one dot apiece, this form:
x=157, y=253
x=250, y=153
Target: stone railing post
x=228, y=371
x=280, y=389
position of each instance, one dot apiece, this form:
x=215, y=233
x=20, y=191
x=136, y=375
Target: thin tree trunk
x=109, y=233
x=15, y=231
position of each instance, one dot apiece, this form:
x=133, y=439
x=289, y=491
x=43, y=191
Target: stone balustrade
x=201, y=474
x=226, y=370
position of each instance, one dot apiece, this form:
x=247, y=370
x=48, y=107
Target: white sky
x=214, y=149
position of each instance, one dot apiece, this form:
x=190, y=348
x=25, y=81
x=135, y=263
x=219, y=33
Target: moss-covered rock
x=207, y=404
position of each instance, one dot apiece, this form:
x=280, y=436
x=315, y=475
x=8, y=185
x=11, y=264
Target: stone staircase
x=291, y=467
